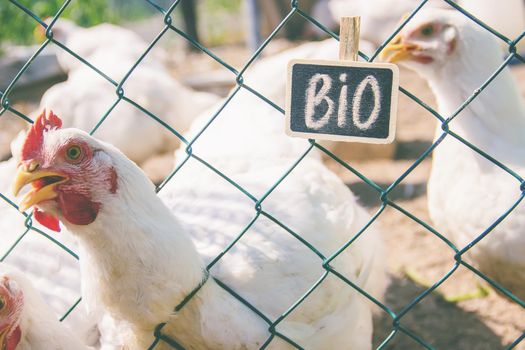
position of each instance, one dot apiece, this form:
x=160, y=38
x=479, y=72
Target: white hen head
x=439, y=43
x=72, y=174
x=11, y=305
x=26, y=321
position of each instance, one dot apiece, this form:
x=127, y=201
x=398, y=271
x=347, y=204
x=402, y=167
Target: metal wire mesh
x=382, y=192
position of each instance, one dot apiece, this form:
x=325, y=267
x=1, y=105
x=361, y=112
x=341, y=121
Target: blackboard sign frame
x=345, y=138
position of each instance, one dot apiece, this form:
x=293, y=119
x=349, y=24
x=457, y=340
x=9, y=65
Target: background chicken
x=115, y=41
x=26, y=322
x=251, y=122
x=268, y=265
x=90, y=97
x=86, y=97
x=467, y=192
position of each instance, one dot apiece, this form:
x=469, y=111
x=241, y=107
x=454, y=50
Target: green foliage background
x=17, y=27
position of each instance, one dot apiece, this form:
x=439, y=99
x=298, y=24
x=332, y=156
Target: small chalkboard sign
x=342, y=100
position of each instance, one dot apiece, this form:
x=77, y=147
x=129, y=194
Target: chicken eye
x=427, y=30
x=74, y=152
x=2, y=303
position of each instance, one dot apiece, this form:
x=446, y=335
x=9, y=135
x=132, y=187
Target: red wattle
x=13, y=340
x=49, y=221
x=77, y=208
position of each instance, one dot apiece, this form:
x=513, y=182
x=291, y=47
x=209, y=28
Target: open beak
x=43, y=182
x=397, y=51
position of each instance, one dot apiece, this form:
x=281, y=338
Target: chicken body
x=467, y=192
x=267, y=261
x=137, y=134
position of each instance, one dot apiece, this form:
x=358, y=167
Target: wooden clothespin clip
x=349, y=30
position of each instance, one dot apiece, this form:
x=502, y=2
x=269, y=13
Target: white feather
x=467, y=193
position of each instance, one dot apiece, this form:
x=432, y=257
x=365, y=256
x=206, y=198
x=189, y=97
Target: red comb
x=35, y=136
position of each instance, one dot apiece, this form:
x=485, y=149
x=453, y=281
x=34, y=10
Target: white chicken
x=115, y=41
x=467, y=192
x=136, y=133
x=26, y=322
x=85, y=97
x=90, y=97
x=139, y=261
x=54, y=272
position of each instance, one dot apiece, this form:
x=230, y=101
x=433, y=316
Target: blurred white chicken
x=467, y=192
x=115, y=41
x=139, y=262
x=86, y=97
x=26, y=322
x=138, y=135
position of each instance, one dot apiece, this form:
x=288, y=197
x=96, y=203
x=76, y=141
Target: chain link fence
x=383, y=193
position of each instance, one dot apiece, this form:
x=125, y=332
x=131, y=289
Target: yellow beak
x=397, y=51
x=2, y=340
x=36, y=195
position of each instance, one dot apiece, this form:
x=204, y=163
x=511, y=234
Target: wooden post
x=189, y=13
x=254, y=24
x=349, y=38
